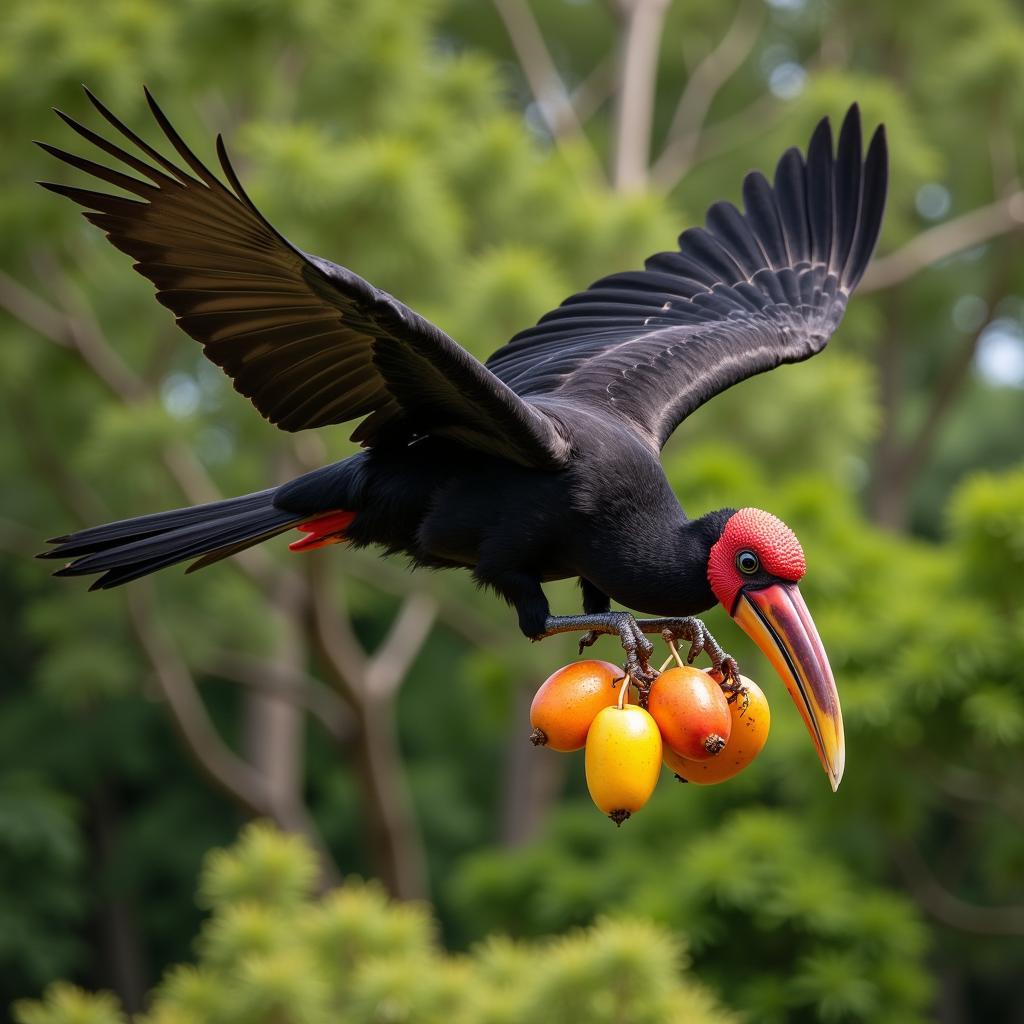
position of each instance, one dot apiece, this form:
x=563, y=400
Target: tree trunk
x=120, y=946
x=533, y=778
x=393, y=833
x=274, y=729
x=634, y=103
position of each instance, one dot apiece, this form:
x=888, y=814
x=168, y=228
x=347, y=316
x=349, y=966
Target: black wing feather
x=746, y=293
x=309, y=342
x=820, y=193
x=791, y=200
x=849, y=159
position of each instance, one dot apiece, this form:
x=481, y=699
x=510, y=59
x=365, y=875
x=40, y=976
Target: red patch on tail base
x=324, y=530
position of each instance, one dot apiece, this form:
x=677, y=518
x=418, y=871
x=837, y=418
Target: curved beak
x=777, y=620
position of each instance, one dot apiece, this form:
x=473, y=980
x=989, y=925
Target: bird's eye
x=747, y=562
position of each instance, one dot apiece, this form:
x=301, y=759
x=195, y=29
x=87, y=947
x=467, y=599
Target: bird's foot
x=724, y=666
x=637, y=647
x=699, y=637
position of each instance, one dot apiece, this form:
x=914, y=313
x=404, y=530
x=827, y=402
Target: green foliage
x=390, y=137
x=272, y=952
x=66, y=1004
x=40, y=875
x=751, y=889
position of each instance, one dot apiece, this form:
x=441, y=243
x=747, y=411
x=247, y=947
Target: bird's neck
x=663, y=569
x=693, y=542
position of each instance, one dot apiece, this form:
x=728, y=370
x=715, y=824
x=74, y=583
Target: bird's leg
x=594, y=603
x=526, y=594
x=637, y=647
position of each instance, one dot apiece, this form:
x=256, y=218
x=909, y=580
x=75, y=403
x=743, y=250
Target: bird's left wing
x=748, y=292
x=310, y=343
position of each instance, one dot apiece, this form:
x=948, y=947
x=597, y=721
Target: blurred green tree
x=270, y=952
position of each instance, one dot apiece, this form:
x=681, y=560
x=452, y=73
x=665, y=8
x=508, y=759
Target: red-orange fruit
x=691, y=711
x=569, y=700
x=751, y=720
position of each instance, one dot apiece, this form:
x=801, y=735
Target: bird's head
x=753, y=571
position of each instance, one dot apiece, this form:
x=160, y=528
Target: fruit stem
x=668, y=661
x=714, y=744
x=625, y=689
x=675, y=653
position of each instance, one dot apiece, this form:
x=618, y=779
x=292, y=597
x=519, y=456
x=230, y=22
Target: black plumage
x=541, y=463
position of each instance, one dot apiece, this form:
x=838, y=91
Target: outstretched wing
x=308, y=342
x=744, y=294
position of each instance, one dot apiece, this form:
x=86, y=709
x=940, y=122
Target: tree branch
x=935, y=244
x=215, y=759
x=456, y=614
x=394, y=657
x=76, y=329
x=950, y=384
x=335, y=639
x=26, y=307
x=634, y=111
x=289, y=683
x=948, y=908
x=538, y=66
x=684, y=134
x=86, y=336
x=395, y=838
x=588, y=97
x=212, y=755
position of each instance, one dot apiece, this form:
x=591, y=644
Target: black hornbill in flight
x=543, y=462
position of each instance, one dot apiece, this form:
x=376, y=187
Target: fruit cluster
x=688, y=722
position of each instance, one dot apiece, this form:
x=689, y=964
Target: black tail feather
x=126, y=550
x=96, y=538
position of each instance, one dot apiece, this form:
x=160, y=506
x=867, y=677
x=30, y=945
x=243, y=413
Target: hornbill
x=543, y=462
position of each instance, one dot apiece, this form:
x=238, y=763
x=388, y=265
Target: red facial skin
x=769, y=538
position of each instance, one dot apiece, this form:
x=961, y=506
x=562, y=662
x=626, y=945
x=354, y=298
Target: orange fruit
x=623, y=760
x=569, y=699
x=691, y=711
x=750, y=727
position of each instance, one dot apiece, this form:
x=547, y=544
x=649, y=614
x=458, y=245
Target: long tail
x=131, y=548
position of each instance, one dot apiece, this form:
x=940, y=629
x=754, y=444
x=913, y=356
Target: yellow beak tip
x=835, y=771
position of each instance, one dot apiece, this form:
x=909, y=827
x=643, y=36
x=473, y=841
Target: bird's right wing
x=742, y=295
x=309, y=342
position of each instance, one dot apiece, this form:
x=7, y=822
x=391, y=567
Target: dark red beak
x=777, y=620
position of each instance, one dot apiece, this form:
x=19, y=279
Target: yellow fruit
x=568, y=700
x=623, y=760
x=750, y=724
